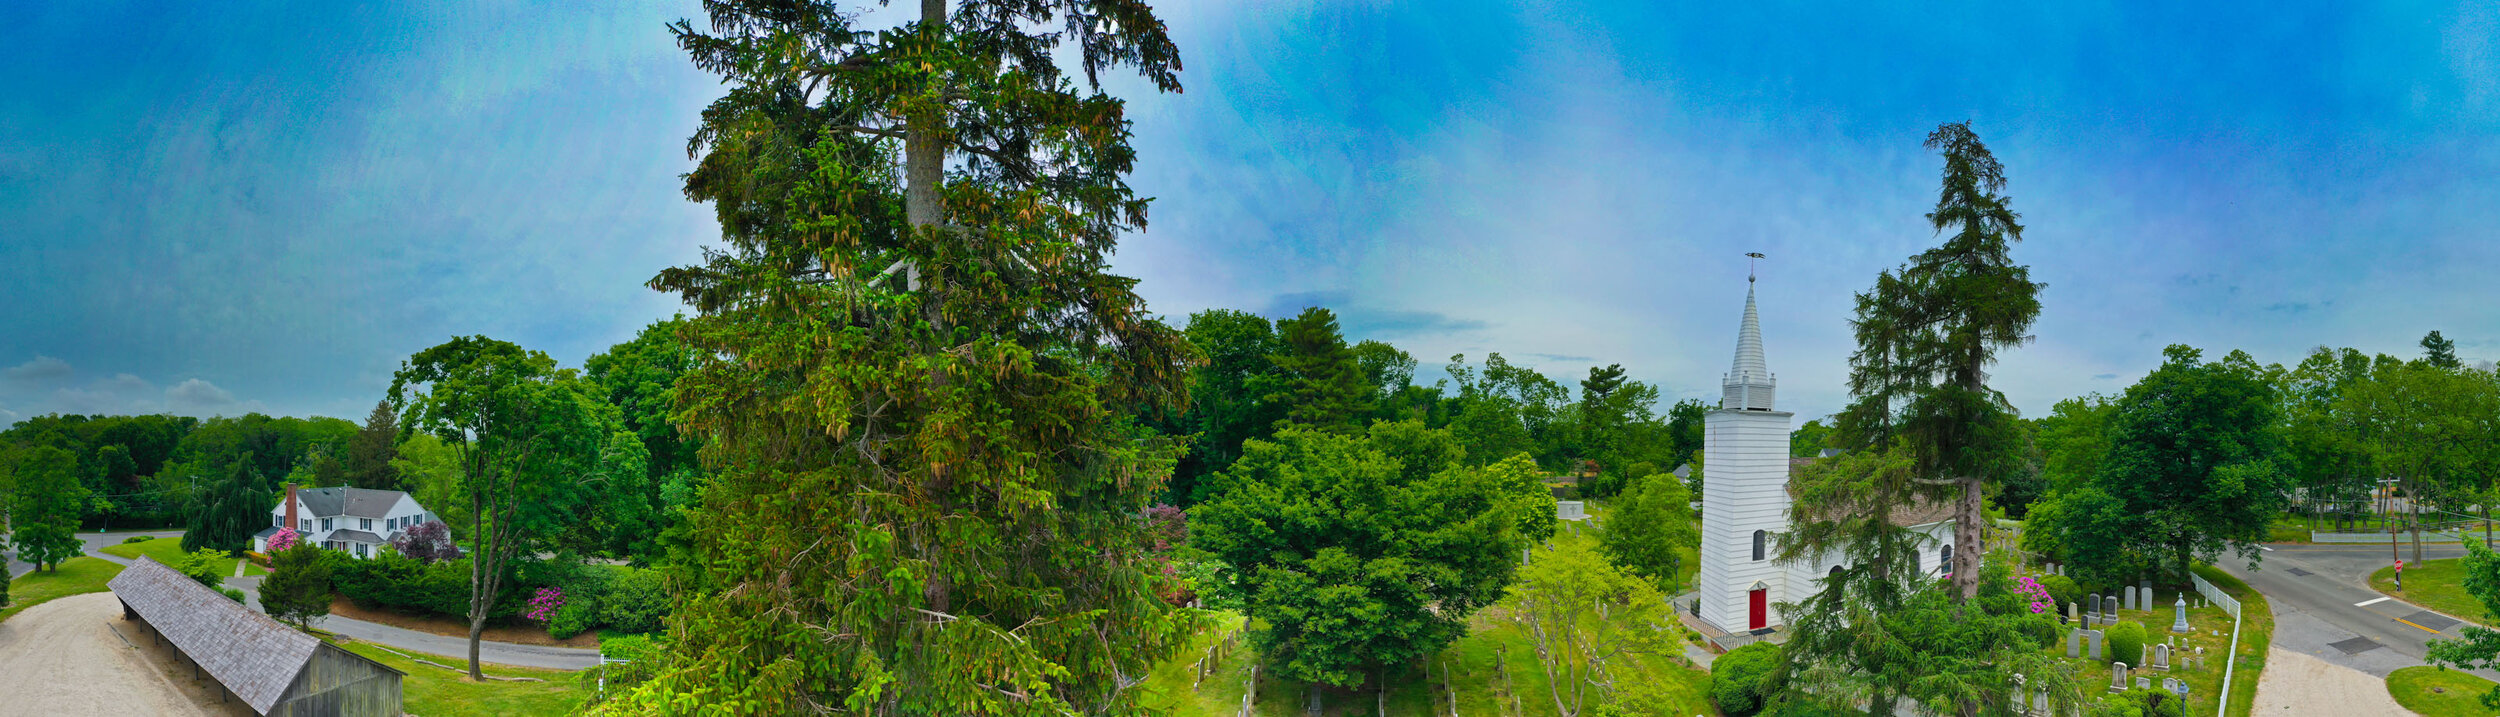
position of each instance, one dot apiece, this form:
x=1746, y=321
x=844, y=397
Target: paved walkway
x=502, y=653
x=2298, y=684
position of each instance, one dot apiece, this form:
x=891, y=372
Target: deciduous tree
x=298, y=587
x=43, y=521
x=1651, y=521
x=1584, y=614
x=232, y=510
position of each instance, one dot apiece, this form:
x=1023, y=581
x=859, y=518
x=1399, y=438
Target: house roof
x=266, y=532
x=253, y=656
x=353, y=502
x=355, y=535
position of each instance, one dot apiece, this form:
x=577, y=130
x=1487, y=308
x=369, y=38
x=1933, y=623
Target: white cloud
x=43, y=369
x=196, y=396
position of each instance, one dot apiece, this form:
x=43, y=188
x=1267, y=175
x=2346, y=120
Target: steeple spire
x=1749, y=383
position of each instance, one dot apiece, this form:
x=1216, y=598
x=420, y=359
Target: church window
x=1760, y=541
x=1944, y=560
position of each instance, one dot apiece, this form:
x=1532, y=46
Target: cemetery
x=2119, y=643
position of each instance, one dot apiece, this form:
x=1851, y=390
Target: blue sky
x=266, y=207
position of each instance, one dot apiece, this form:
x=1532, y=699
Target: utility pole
x=2392, y=554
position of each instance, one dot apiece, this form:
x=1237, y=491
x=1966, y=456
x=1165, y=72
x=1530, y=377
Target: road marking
x=2367, y=603
x=2424, y=629
x=2264, y=548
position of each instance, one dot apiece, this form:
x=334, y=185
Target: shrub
x=636, y=601
x=397, y=581
x=2063, y=588
x=137, y=539
x=299, y=589
x=232, y=594
x=2126, y=643
x=202, y=566
x=283, y=539
x=544, y=605
x=1736, y=677
x=428, y=542
x=4, y=590
x=644, y=658
x=572, y=619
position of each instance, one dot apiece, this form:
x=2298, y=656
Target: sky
x=214, y=209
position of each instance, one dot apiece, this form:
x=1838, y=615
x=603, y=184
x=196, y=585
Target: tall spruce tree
x=1322, y=384
x=369, y=454
x=915, y=389
x=2439, y=351
x=1926, y=335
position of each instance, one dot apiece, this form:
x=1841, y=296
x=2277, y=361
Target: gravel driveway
x=2297, y=684
x=62, y=658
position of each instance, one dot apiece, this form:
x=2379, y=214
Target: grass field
x=2435, y=584
x=430, y=690
x=2435, y=692
x=75, y=576
x=165, y=550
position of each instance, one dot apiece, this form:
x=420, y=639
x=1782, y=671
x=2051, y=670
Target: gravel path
x=2298, y=684
x=62, y=658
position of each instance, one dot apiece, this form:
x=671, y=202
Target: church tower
x=1744, y=504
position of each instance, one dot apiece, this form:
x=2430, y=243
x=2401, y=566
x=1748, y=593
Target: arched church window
x=1944, y=560
x=1760, y=541
x=1835, y=571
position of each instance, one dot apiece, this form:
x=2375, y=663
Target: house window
x=360, y=550
x=364, y=524
x=1760, y=541
x=325, y=525
x=277, y=521
x=306, y=525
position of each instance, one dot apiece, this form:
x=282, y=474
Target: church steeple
x=1749, y=384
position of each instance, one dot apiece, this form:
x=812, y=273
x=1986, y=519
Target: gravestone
x=2095, y=637
x=2074, y=642
x=2113, y=605
x=2117, y=677
x=2144, y=683
x=2161, y=657
x=2040, y=701
x=2131, y=599
x=2178, y=616
x=2020, y=696
x=2074, y=613
x=2096, y=606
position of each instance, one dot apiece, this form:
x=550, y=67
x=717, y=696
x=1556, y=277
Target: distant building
x=1746, y=502
x=274, y=669
x=356, y=521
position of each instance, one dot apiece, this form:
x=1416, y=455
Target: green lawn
x=2435, y=584
x=2288, y=530
x=2436, y=692
x=73, y=577
x=166, y=550
x=430, y=690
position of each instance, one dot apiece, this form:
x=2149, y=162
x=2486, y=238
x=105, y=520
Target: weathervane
x=1750, y=257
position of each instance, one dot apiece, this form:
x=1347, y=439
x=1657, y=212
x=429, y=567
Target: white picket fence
x=2229, y=664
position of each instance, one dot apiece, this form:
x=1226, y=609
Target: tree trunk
x=477, y=629
x=1970, y=516
x=924, y=154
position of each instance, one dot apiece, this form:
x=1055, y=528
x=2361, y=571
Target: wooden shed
x=275, y=669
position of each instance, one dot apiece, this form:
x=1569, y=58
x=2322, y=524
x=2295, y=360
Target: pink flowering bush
x=286, y=538
x=543, y=606
x=2038, y=595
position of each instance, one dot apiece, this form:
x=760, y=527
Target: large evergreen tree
x=369, y=454
x=1322, y=385
x=915, y=389
x=1926, y=335
x=231, y=510
x=2438, y=351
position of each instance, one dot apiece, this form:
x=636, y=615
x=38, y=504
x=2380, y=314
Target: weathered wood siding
x=338, y=683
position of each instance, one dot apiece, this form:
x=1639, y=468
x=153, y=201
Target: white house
x=1746, y=501
x=358, y=521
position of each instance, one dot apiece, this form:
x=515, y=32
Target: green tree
x=115, y=470
x=43, y=520
x=524, y=433
x=1321, y=384
x=429, y=469
x=1651, y=522
x=1809, y=440
x=298, y=587
x=1926, y=335
x=1226, y=396
x=2430, y=428
x=927, y=378
x=2191, y=462
x=202, y=566
x=1584, y=614
x=2440, y=352
x=370, y=453
x=1362, y=551
x=2323, y=447
x=1685, y=422
x=231, y=510
x=640, y=377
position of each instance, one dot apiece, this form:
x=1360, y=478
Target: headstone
x=2113, y=605
x=2144, y=683
x=2074, y=642
x=2178, y=616
x=2040, y=701
x=2117, y=677
x=2074, y=613
x=2095, y=637
x=2021, y=706
x=2131, y=599
x=2161, y=657
x=2096, y=606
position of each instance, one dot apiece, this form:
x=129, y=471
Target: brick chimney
x=290, y=509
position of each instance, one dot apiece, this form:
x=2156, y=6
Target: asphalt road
x=2324, y=607
x=95, y=546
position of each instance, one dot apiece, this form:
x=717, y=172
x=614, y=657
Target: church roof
x=1749, y=383
x=1919, y=512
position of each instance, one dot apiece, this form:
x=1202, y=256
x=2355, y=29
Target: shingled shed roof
x=253, y=656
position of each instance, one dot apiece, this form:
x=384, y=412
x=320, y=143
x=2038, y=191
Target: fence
x=2231, y=663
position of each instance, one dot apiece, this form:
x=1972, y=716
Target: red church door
x=1761, y=600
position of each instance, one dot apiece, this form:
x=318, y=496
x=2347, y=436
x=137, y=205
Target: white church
x=1746, y=502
